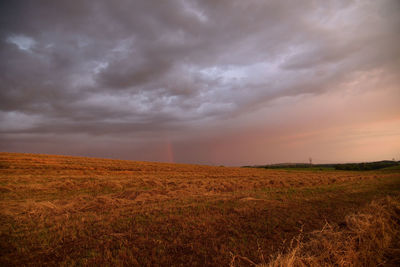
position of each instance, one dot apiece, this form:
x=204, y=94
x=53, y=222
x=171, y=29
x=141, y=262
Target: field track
x=61, y=210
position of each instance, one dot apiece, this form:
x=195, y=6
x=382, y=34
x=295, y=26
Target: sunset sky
x=218, y=82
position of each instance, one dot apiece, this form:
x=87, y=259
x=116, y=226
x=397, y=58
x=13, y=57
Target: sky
x=219, y=82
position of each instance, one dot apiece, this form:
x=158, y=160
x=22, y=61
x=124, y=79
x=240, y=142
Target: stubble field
x=61, y=210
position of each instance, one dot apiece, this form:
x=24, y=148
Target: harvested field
x=367, y=238
x=61, y=210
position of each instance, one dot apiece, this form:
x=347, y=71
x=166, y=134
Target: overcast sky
x=209, y=82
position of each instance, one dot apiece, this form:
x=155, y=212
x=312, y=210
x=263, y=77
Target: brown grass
x=60, y=210
x=368, y=238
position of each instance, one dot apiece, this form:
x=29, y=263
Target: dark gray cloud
x=124, y=68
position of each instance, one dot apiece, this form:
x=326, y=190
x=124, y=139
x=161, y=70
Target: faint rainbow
x=170, y=151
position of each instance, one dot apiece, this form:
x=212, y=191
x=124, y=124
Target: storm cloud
x=122, y=78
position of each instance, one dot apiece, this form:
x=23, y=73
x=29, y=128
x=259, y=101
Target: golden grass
x=367, y=238
x=370, y=238
x=60, y=210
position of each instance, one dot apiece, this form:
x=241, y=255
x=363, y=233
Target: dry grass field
x=61, y=210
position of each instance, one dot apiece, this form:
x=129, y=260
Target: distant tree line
x=364, y=166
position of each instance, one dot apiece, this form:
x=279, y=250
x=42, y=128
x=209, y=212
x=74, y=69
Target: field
x=61, y=210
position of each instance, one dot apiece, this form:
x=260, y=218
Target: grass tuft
x=370, y=238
